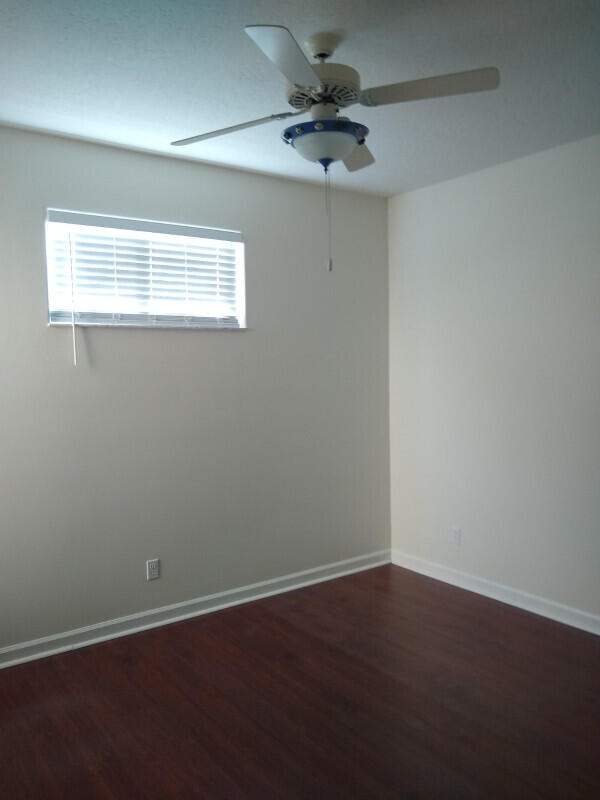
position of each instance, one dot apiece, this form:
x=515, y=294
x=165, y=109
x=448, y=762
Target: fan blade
x=360, y=157
x=280, y=47
x=474, y=80
x=232, y=128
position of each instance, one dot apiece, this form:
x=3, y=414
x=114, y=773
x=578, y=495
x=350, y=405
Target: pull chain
x=328, y=215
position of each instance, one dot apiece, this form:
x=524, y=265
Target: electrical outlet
x=456, y=534
x=153, y=569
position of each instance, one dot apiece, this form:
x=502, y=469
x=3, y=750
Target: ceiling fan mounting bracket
x=323, y=45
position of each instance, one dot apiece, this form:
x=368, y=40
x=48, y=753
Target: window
x=130, y=272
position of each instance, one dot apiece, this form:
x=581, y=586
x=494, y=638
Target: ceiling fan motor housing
x=339, y=84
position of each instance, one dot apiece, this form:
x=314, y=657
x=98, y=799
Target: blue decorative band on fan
x=360, y=132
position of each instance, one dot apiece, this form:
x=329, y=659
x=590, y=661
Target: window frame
x=115, y=319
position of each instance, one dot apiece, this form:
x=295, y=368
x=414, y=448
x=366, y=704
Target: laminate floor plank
x=382, y=684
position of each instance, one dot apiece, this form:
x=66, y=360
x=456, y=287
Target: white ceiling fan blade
x=474, y=80
x=360, y=157
x=280, y=47
x=232, y=128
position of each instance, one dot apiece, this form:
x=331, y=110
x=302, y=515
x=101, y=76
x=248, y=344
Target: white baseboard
x=498, y=591
x=144, y=620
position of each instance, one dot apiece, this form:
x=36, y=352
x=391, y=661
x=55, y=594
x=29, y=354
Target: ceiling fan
x=323, y=88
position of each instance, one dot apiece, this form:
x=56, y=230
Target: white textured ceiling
x=141, y=73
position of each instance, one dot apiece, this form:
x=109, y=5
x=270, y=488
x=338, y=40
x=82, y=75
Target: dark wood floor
x=383, y=684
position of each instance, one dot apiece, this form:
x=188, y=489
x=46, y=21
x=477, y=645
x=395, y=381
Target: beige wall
x=233, y=456
x=241, y=456
x=495, y=373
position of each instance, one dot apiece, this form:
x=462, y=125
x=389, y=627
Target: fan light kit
x=323, y=88
x=326, y=140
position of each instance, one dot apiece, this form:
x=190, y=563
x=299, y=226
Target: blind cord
x=72, y=301
x=328, y=215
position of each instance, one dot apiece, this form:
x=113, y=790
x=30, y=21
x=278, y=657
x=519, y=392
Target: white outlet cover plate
x=152, y=569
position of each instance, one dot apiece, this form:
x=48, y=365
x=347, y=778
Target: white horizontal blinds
x=122, y=275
